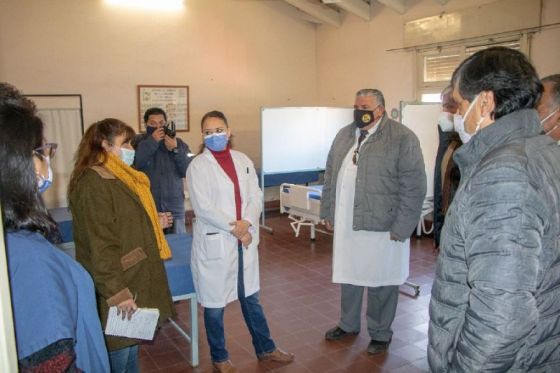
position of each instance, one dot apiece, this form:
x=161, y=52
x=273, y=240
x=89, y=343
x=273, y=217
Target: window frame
x=423, y=87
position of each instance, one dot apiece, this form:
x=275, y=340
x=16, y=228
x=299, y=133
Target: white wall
x=545, y=51
x=355, y=55
x=236, y=56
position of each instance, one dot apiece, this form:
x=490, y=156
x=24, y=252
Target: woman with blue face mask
x=53, y=297
x=227, y=202
x=117, y=233
x=42, y=157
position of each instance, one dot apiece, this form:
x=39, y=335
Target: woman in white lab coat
x=227, y=202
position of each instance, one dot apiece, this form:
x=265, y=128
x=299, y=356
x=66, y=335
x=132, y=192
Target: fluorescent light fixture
x=165, y=5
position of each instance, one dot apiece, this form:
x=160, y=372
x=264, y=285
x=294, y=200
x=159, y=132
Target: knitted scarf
x=139, y=183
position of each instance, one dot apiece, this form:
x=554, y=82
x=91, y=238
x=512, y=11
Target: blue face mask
x=127, y=156
x=216, y=142
x=44, y=183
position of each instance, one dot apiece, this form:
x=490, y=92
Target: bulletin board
x=173, y=99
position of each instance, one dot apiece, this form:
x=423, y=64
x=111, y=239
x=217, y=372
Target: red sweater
x=226, y=162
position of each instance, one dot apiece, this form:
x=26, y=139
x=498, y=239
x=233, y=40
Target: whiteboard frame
x=263, y=108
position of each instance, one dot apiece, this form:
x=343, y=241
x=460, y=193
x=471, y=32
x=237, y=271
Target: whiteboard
x=422, y=120
x=299, y=138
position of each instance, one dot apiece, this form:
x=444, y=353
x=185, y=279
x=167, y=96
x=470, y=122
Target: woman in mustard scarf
x=118, y=235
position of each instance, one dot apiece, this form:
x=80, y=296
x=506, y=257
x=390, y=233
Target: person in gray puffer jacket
x=375, y=183
x=495, y=302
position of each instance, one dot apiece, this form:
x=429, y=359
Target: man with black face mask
x=375, y=185
x=163, y=158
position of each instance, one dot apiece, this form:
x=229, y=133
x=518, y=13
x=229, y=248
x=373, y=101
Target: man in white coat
x=375, y=185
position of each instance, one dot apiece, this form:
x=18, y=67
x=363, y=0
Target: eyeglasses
x=47, y=150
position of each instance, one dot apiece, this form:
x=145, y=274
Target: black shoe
x=336, y=333
x=376, y=347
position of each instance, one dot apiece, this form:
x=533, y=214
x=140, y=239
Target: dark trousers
x=381, y=309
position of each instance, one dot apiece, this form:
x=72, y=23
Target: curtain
x=64, y=127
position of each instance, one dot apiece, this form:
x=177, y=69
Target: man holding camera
x=164, y=159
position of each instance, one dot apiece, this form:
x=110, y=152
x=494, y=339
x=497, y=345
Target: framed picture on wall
x=173, y=99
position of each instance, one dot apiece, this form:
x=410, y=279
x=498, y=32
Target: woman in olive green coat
x=117, y=234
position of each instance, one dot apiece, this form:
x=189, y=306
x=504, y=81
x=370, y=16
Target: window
x=436, y=66
x=439, y=68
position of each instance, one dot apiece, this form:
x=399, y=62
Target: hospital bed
x=303, y=206
x=427, y=208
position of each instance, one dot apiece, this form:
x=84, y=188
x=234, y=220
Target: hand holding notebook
x=142, y=324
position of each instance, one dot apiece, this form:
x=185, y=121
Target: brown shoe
x=225, y=367
x=278, y=356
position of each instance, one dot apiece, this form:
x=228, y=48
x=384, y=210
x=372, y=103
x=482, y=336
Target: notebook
x=142, y=325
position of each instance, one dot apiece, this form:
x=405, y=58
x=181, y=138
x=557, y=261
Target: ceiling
x=331, y=12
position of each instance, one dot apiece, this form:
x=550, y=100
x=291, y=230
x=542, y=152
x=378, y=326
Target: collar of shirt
x=371, y=131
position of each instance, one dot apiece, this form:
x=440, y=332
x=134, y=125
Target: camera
x=169, y=129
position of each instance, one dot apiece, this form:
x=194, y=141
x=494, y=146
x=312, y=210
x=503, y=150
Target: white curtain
x=63, y=126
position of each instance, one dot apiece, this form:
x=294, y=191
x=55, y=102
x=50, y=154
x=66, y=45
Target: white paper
x=142, y=325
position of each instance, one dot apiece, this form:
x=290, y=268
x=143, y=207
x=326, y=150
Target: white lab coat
x=214, y=254
x=363, y=258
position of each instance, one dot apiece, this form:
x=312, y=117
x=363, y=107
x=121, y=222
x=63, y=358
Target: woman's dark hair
x=90, y=151
x=505, y=72
x=21, y=131
x=214, y=114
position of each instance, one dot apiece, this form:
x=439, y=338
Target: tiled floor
x=301, y=303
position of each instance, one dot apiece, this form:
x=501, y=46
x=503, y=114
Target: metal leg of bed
x=312, y=232
x=414, y=286
x=193, y=338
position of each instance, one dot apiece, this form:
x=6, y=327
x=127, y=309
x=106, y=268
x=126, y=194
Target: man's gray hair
x=555, y=80
x=372, y=92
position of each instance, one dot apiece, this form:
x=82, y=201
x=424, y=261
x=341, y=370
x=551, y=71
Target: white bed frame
x=301, y=209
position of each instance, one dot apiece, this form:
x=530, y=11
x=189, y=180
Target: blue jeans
x=254, y=318
x=179, y=226
x=124, y=360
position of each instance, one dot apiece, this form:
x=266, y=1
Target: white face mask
x=460, y=129
x=459, y=123
x=445, y=121
x=127, y=156
x=547, y=117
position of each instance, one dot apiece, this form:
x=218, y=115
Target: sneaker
x=376, y=347
x=337, y=333
x=278, y=356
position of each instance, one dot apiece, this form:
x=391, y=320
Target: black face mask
x=150, y=130
x=362, y=118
